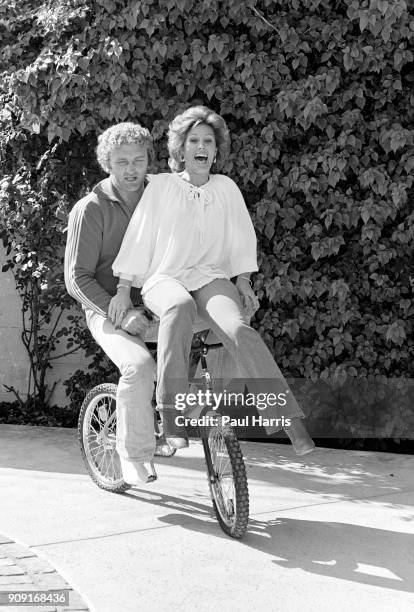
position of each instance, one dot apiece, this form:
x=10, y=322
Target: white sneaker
x=135, y=472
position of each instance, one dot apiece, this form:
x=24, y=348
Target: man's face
x=128, y=165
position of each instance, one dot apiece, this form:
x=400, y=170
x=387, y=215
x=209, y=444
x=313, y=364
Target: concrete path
x=334, y=531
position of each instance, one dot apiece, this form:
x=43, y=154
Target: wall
x=14, y=362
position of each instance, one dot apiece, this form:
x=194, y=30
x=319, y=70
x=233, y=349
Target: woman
x=191, y=234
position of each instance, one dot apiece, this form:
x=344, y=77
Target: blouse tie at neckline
x=201, y=198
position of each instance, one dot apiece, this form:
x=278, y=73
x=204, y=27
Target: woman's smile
x=201, y=157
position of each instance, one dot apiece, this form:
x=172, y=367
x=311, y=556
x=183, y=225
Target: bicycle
x=226, y=471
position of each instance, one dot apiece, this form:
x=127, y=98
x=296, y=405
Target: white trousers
x=135, y=414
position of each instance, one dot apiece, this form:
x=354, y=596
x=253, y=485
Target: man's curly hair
x=120, y=134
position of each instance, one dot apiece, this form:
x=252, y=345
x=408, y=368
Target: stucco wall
x=14, y=362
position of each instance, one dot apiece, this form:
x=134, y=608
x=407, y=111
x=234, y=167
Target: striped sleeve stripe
x=74, y=230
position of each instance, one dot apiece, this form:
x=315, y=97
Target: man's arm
x=83, y=248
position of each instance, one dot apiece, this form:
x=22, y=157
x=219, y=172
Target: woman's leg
x=219, y=302
x=176, y=309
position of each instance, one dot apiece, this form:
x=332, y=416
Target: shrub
x=319, y=99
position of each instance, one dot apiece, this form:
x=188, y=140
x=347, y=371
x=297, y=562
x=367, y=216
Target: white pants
x=134, y=411
x=218, y=303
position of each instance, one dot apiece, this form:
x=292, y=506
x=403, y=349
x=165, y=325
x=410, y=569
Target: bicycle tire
x=232, y=512
x=97, y=438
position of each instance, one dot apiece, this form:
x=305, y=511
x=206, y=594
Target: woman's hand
x=119, y=306
x=248, y=298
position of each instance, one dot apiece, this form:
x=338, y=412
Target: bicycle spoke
x=106, y=464
x=98, y=419
x=226, y=484
x=99, y=450
x=101, y=462
x=112, y=465
x=97, y=437
x=94, y=430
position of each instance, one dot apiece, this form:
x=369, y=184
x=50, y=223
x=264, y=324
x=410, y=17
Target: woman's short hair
x=182, y=124
x=120, y=134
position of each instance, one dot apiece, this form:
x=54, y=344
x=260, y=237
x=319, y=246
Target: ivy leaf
x=396, y=333
x=291, y=327
x=363, y=20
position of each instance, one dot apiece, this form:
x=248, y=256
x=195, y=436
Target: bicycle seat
x=197, y=341
x=151, y=337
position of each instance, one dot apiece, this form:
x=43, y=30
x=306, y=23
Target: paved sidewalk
x=21, y=569
x=332, y=530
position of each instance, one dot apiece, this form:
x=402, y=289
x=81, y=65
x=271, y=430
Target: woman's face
x=199, y=149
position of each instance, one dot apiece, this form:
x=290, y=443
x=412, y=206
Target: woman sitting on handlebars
x=190, y=235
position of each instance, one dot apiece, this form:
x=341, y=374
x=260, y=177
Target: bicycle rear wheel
x=227, y=479
x=97, y=438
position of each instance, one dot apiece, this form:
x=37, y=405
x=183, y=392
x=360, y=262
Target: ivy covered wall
x=319, y=97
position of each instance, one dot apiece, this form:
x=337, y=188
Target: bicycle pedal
x=164, y=451
x=162, y=448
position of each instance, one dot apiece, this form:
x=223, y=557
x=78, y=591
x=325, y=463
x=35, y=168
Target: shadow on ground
x=343, y=474
x=359, y=554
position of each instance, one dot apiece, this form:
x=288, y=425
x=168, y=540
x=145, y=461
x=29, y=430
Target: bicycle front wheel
x=227, y=479
x=97, y=438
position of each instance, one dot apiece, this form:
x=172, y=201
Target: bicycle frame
x=224, y=460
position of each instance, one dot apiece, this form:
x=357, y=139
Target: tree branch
x=55, y=325
x=15, y=393
x=65, y=354
x=45, y=354
x=254, y=9
x=51, y=392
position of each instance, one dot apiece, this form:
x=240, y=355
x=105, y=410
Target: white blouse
x=192, y=234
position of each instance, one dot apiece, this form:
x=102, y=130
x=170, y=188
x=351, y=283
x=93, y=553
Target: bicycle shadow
x=185, y=504
x=364, y=555
x=338, y=475
x=358, y=554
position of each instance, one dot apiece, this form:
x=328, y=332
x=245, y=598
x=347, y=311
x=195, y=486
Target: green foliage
x=32, y=217
x=32, y=412
x=319, y=98
x=99, y=369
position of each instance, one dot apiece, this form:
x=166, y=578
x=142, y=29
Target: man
x=97, y=224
